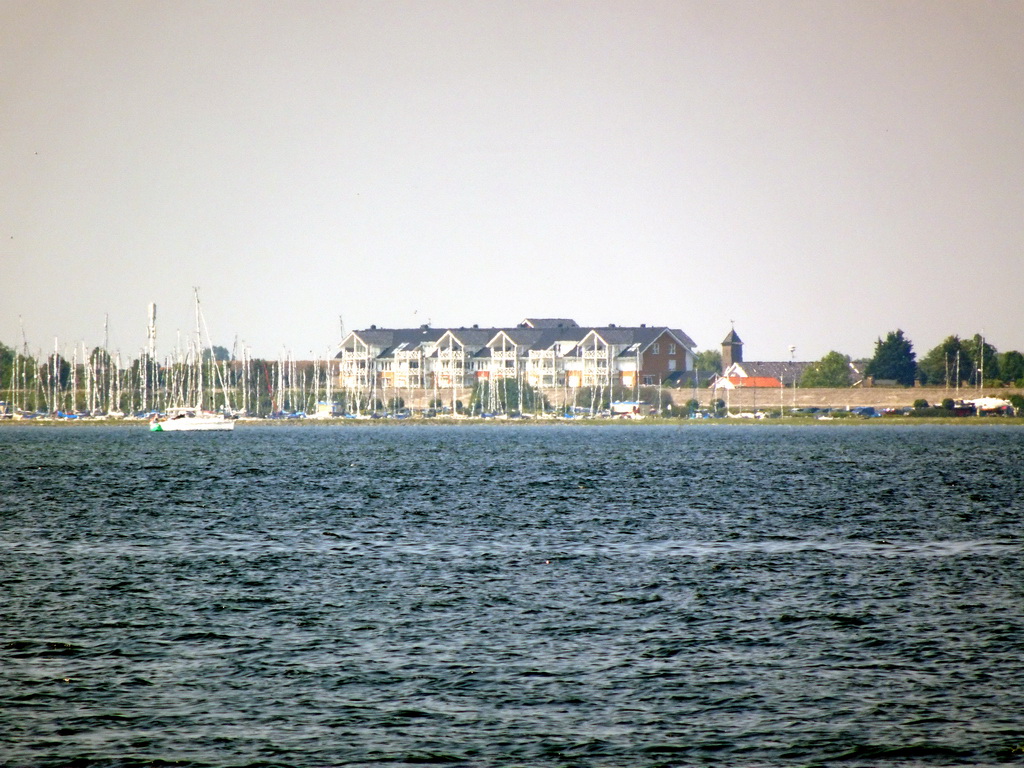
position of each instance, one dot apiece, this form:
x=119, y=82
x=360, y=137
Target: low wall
x=877, y=397
x=752, y=399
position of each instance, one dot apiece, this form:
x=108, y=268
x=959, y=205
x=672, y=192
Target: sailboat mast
x=150, y=353
x=245, y=381
x=981, y=365
x=199, y=356
x=55, y=378
x=73, y=401
x=24, y=374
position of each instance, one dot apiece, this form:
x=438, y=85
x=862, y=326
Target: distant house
x=630, y=356
x=392, y=357
x=738, y=373
x=783, y=373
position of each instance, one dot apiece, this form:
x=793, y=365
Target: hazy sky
x=818, y=172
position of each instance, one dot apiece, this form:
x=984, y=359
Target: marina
x=543, y=368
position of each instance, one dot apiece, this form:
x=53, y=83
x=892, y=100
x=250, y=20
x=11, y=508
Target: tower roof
x=732, y=338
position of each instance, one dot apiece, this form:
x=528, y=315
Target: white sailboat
x=192, y=419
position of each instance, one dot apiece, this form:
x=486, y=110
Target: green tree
x=894, y=359
x=708, y=361
x=945, y=364
x=220, y=354
x=101, y=372
x=1011, y=366
x=7, y=358
x=57, y=366
x=983, y=358
x=18, y=374
x=833, y=370
x=145, y=371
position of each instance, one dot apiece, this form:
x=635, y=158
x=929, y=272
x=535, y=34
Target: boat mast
x=24, y=373
x=150, y=354
x=104, y=382
x=117, y=380
x=281, y=394
x=55, y=377
x=981, y=367
x=73, y=402
x=328, y=388
x=958, y=371
x=245, y=380
x=199, y=355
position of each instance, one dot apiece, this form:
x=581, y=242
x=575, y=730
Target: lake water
x=503, y=595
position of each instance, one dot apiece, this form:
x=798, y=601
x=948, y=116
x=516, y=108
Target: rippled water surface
x=500, y=595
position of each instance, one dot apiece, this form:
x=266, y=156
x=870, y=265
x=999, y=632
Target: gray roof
x=644, y=335
x=532, y=338
x=473, y=337
x=732, y=338
x=389, y=339
x=544, y=335
x=543, y=338
x=785, y=371
x=523, y=337
x=550, y=322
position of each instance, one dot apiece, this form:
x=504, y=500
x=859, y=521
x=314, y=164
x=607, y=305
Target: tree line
x=955, y=361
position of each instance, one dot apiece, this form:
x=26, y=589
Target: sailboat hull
x=193, y=424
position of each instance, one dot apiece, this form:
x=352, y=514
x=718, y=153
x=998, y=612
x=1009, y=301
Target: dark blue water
x=501, y=596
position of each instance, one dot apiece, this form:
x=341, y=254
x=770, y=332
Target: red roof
x=755, y=381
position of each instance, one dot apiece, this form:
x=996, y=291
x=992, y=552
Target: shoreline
x=789, y=421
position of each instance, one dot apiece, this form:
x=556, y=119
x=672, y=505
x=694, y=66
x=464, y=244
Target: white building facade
x=544, y=353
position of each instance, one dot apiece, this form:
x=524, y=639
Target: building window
x=656, y=349
x=671, y=349
x=672, y=364
x=648, y=381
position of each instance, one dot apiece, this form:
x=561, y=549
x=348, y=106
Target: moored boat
x=190, y=420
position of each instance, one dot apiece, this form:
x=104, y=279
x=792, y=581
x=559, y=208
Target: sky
x=816, y=173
